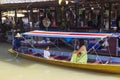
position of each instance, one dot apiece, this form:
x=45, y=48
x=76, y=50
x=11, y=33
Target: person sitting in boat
x=47, y=53
x=48, y=40
x=80, y=54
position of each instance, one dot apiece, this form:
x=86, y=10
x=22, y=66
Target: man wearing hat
x=17, y=42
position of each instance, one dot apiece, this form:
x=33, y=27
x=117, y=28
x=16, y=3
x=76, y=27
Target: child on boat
x=47, y=53
x=80, y=54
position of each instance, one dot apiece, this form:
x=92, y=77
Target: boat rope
x=56, y=45
x=109, y=60
x=107, y=46
x=94, y=50
x=14, y=58
x=97, y=56
x=16, y=55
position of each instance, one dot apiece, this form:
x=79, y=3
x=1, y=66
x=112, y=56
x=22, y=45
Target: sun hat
x=18, y=35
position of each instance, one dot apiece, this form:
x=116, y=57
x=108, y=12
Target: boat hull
x=109, y=68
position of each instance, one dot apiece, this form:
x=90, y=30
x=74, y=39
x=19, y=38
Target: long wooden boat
x=110, y=68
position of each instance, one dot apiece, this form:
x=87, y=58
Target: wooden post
x=30, y=19
x=39, y=17
x=110, y=5
x=15, y=17
x=0, y=16
x=102, y=18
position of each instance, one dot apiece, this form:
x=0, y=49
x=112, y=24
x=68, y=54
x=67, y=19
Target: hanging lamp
x=59, y=1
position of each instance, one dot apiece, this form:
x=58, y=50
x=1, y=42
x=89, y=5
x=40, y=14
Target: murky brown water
x=22, y=69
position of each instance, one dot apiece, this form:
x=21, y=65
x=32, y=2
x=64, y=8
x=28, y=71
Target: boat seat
x=97, y=62
x=55, y=54
x=38, y=55
x=63, y=58
x=109, y=61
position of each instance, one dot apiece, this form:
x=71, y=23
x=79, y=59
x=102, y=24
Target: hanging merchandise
x=54, y=23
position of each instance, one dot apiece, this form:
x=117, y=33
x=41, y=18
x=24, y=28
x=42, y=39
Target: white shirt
x=46, y=54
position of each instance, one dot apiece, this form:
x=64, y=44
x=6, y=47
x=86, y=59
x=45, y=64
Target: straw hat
x=18, y=35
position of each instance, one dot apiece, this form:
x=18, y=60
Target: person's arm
x=82, y=48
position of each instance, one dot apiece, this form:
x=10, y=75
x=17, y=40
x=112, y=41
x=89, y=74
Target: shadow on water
x=20, y=62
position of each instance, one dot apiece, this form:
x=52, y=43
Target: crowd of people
x=8, y=25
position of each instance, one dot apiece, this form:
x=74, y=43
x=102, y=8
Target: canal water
x=22, y=69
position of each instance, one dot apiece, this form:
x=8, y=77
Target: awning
x=58, y=34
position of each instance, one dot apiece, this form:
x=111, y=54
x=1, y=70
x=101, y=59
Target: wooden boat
x=110, y=68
